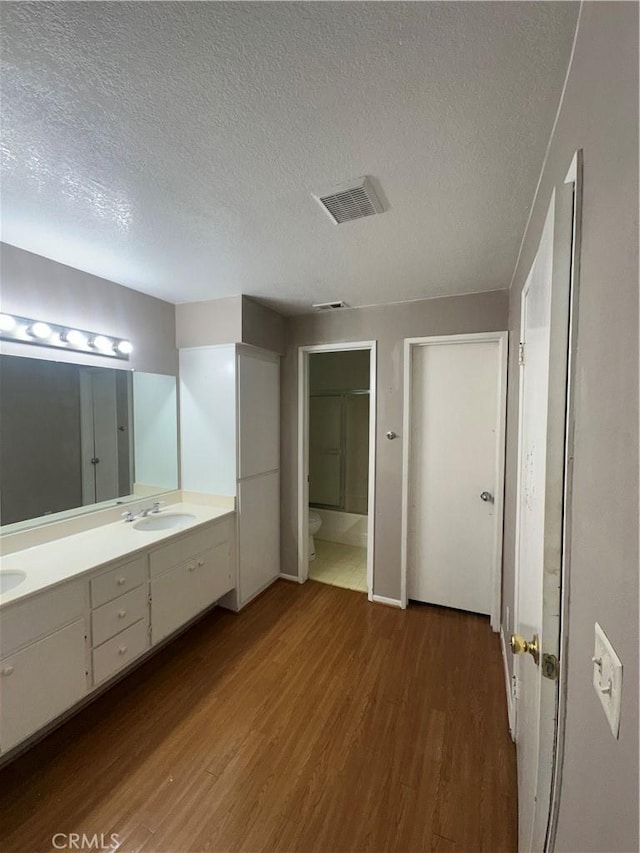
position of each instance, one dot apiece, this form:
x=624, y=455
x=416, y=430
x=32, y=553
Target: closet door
x=258, y=413
x=259, y=533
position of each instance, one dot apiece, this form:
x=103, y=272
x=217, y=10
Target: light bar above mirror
x=29, y=331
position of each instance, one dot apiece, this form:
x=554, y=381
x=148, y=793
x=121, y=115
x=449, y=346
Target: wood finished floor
x=312, y=721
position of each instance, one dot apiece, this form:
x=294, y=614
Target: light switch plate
x=607, y=678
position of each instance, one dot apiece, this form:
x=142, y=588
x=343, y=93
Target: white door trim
x=573, y=178
x=501, y=338
x=303, y=452
x=561, y=422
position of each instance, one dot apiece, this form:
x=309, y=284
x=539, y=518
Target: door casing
x=303, y=452
x=567, y=203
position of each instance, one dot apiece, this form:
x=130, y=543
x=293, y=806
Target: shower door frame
x=303, y=452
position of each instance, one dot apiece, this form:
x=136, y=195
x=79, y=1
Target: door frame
x=560, y=451
x=574, y=178
x=303, y=452
x=502, y=339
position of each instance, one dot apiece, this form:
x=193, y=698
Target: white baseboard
x=390, y=602
x=511, y=711
x=292, y=578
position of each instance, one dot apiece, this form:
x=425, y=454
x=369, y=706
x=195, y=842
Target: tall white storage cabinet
x=230, y=445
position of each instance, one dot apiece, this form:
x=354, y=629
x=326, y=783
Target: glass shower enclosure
x=339, y=450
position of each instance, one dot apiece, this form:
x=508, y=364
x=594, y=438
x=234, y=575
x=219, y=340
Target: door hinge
x=520, y=353
x=515, y=687
x=550, y=667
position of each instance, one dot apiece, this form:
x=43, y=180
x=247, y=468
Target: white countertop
x=63, y=559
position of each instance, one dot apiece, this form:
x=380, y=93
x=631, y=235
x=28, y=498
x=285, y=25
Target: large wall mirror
x=73, y=436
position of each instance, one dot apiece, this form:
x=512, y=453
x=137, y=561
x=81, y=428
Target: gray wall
x=389, y=325
x=232, y=320
x=599, y=801
x=36, y=287
x=262, y=327
x=216, y=321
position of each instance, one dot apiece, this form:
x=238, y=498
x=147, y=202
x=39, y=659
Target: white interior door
x=455, y=484
x=540, y=500
x=534, y=332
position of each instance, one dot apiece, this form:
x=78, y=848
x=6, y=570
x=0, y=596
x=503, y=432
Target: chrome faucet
x=128, y=516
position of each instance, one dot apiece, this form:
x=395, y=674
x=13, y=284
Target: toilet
x=315, y=523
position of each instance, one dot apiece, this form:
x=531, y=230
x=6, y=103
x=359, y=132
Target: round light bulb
x=125, y=347
x=103, y=343
x=7, y=322
x=40, y=330
x=75, y=338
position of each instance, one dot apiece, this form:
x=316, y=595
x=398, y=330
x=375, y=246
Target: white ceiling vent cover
x=353, y=200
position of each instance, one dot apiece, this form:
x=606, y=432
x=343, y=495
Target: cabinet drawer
x=40, y=682
x=189, y=546
x=119, y=651
x=24, y=622
x=118, y=614
x=181, y=593
x=118, y=581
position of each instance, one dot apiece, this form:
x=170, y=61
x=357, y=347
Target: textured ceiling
x=174, y=147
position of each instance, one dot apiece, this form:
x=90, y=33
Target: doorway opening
x=337, y=464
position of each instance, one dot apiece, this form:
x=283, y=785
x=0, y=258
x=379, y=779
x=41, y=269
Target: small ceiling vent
x=353, y=200
x=329, y=306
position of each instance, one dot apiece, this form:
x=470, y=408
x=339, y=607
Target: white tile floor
x=339, y=565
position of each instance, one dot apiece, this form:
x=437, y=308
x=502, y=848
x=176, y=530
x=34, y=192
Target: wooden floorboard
x=312, y=721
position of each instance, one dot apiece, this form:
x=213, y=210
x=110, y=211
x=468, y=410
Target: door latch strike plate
x=550, y=667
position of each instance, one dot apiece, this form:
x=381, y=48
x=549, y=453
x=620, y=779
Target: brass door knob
x=520, y=646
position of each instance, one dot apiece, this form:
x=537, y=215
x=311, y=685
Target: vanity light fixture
x=102, y=343
x=25, y=330
x=125, y=347
x=7, y=322
x=39, y=330
x=75, y=338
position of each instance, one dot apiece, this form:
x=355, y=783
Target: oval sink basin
x=164, y=521
x=10, y=578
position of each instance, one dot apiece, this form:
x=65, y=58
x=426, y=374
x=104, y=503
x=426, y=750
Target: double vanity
x=78, y=611
x=96, y=572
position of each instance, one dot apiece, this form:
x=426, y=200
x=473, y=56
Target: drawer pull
x=122, y=650
x=192, y=567
x=122, y=614
x=200, y=563
x=6, y=670
x=121, y=581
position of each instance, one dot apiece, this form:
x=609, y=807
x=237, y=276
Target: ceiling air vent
x=354, y=200
x=329, y=306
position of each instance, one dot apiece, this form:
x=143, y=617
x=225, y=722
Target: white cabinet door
x=259, y=534
x=258, y=413
x=184, y=591
x=40, y=682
